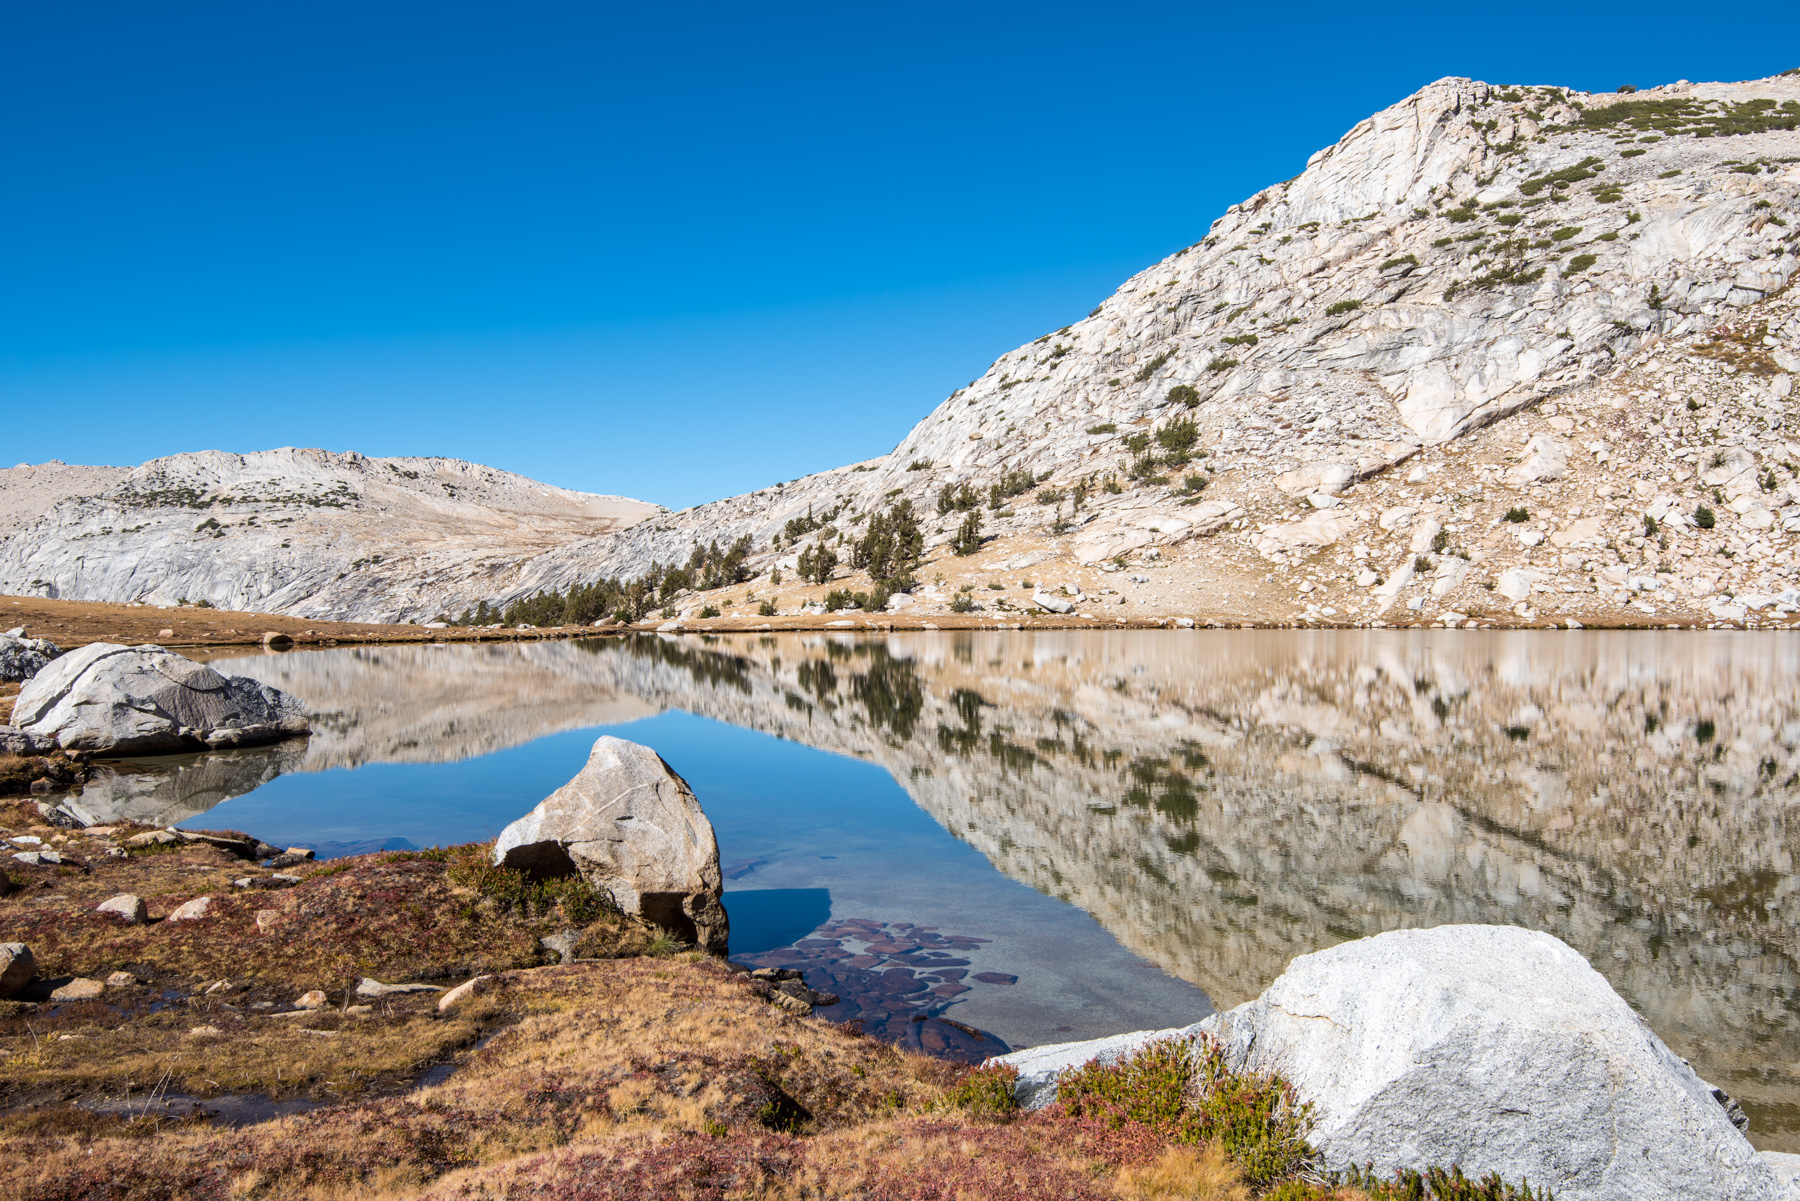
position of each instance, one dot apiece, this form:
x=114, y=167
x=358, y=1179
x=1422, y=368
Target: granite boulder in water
x=633, y=829
x=1492, y=1047
x=145, y=700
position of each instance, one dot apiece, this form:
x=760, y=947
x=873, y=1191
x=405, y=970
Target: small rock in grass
x=204, y=1031
x=563, y=944
x=219, y=986
x=192, y=911
x=465, y=989
x=121, y=980
x=315, y=999
x=266, y=919
x=375, y=988
x=276, y=881
x=17, y=966
x=792, y=1004
x=131, y=909
x=79, y=989
x=151, y=838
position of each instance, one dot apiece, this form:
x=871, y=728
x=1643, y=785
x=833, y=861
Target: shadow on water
x=763, y=919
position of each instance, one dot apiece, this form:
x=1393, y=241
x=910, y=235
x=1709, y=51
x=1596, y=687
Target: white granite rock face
x=1493, y=1047
x=146, y=700
x=308, y=532
x=634, y=831
x=1399, y=228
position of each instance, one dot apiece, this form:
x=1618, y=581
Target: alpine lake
x=989, y=840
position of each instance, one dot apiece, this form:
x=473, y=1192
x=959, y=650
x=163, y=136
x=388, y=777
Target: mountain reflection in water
x=1221, y=801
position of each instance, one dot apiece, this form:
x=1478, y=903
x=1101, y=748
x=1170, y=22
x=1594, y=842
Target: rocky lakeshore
x=202, y=1016
x=200, y=1013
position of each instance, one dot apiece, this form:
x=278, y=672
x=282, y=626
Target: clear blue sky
x=671, y=251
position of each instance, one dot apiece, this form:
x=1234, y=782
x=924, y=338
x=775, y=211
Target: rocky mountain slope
x=307, y=532
x=1500, y=353
x=1483, y=300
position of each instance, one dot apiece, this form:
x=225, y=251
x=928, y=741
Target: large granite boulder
x=138, y=700
x=632, y=828
x=22, y=657
x=1492, y=1047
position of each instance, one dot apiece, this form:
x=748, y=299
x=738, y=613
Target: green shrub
x=1445, y=241
x=1587, y=168
x=1182, y=1089
x=1457, y=216
x=1632, y=153
x=1012, y=483
x=1580, y=263
x=1649, y=526
x=1178, y=439
x=817, y=563
x=1240, y=340
x=1343, y=306
x=1421, y=564
x=472, y=867
x=968, y=535
x=1195, y=482
x=1703, y=517
x=1516, y=515
x=1221, y=364
x=766, y=609
x=1433, y=1184
x=1105, y=427
x=1440, y=542
x=963, y=603
x=709, y=611
x=1671, y=174
x=919, y=465
x=1405, y=260
x=956, y=497
x=984, y=1093
x=890, y=548
x=1153, y=366
x=1565, y=233
x=1050, y=496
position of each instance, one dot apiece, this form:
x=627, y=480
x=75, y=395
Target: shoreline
x=72, y=624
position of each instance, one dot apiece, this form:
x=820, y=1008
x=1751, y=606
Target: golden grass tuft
x=1203, y=1173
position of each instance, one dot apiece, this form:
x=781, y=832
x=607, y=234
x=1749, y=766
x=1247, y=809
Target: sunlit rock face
x=1224, y=801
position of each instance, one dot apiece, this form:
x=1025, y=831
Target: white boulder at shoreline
x=146, y=700
x=635, y=832
x=1491, y=1047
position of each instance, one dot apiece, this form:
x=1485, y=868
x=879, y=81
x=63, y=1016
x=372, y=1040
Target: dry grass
x=1191, y=1174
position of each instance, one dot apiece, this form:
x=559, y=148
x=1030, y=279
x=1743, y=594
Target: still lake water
x=1046, y=836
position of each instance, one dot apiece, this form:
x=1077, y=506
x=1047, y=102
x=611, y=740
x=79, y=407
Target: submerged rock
x=632, y=828
x=1493, y=1047
x=133, y=700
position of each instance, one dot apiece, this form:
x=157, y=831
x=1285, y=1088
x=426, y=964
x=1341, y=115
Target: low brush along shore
x=174, y=1061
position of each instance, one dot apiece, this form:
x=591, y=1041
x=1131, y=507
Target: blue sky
x=675, y=252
